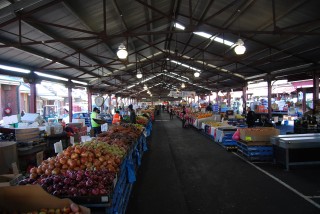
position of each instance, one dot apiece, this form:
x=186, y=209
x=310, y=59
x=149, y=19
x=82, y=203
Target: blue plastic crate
x=229, y=142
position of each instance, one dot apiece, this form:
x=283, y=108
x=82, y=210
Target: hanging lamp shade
x=183, y=85
x=196, y=74
x=240, y=48
x=145, y=87
x=122, y=52
x=139, y=75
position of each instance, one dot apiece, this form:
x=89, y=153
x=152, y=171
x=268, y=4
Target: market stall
x=99, y=172
x=295, y=150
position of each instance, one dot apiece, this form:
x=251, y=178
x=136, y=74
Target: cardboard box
x=258, y=134
x=9, y=179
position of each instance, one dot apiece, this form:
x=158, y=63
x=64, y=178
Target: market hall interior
x=185, y=172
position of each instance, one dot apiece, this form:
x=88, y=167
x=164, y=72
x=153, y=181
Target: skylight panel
x=9, y=68
x=203, y=34
x=179, y=26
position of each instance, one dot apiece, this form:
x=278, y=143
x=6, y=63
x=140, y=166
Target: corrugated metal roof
x=78, y=39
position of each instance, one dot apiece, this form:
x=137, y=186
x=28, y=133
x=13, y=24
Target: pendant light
x=139, y=75
x=196, y=74
x=122, y=52
x=145, y=87
x=183, y=85
x=240, y=48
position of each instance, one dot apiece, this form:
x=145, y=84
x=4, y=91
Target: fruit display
x=75, y=183
x=213, y=123
x=89, y=156
x=200, y=115
x=149, y=112
x=87, y=169
x=142, y=120
x=65, y=210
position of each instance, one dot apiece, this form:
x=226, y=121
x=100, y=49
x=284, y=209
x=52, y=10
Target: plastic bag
x=236, y=135
x=131, y=171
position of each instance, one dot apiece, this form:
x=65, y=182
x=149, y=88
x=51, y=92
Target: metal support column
x=70, y=102
x=244, y=99
x=304, y=100
x=33, y=98
x=89, y=92
x=315, y=90
x=269, y=98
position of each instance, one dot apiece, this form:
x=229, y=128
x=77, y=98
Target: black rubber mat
x=186, y=172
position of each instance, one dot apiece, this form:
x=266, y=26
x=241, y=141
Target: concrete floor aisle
x=184, y=172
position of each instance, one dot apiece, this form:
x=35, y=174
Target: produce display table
x=300, y=150
x=98, y=173
x=197, y=123
x=255, y=151
x=222, y=131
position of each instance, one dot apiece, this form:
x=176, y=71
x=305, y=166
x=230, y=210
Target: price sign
x=72, y=140
x=58, y=147
x=39, y=156
x=15, y=169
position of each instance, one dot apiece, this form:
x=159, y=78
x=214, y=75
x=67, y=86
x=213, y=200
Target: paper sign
x=248, y=138
x=39, y=158
x=85, y=139
x=72, y=140
x=15, y=168
x=58, y=147
x=104, y=127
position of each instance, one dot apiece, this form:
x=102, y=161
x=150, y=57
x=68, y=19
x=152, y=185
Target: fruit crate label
x=115, y=181
x=248, y=138
x=15, y=168
x=104, y=198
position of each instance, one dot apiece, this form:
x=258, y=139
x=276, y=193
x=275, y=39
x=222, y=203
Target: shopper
x=209, y=107
x=251, y=117
x=183, y=116
x=116, y=118
x=96, y=127
x=132, y=114
x=264, y=121
x=171, y=113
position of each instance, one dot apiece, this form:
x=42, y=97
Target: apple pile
x=76, y=183
x=86, y=169
x=89, y=156
x=142, y=120
x=65, y=210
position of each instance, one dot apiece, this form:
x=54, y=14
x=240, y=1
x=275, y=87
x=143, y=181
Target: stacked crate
x=228, y=143
x=256, y=151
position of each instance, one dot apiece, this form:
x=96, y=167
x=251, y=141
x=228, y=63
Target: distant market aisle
x=186, y=172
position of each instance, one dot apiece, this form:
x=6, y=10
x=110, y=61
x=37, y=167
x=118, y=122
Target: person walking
x=171, y=113
x=96, y=127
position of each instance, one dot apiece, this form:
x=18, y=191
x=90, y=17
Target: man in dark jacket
x=132, y=114
x=251, y=118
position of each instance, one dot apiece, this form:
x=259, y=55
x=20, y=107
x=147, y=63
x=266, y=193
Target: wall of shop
x=8, y=99
x=24, y=102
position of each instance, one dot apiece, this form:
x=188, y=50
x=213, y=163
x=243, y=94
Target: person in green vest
x=95, y=126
